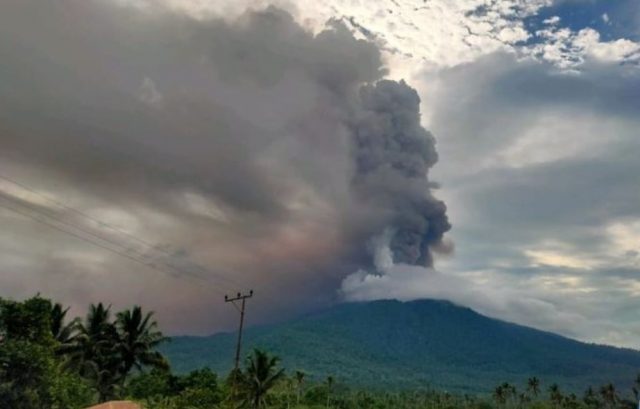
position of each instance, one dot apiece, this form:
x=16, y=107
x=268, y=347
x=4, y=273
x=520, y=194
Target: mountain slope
x=417, y=344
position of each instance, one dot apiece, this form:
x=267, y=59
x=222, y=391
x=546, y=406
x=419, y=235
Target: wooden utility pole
x=243, y=298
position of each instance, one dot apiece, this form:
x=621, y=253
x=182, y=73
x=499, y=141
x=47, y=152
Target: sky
x=168, y=152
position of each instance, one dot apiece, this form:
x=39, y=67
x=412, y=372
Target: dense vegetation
x=49, y=362
x=393, y=345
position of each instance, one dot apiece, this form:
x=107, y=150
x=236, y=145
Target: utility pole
x=243, y=298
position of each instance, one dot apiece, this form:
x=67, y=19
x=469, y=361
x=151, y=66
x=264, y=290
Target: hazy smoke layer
x=267, y=154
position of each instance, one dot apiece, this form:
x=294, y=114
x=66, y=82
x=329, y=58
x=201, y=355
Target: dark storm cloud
x=243, y=147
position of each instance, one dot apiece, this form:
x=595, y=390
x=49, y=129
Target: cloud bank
x=244, y=149
x=250, y=153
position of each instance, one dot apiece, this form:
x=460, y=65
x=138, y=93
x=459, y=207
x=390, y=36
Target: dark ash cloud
x=265, y=154
x=393, y=156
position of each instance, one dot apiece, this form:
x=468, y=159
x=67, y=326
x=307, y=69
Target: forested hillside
x=416, y=344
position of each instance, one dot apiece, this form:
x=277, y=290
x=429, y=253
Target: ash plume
x=269, y=154
x=393, y=154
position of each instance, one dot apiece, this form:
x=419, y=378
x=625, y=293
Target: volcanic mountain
x=417, y=344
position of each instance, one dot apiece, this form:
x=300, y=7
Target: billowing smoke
x=268, y=155
x=393, y=154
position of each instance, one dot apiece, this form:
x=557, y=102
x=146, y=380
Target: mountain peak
x=419, y=343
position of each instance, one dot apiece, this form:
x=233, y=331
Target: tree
x=636, y=388
x=259, y=377
x=609, y=396
x=299, y=377
x=94, y=352
x=62, y=332
x=500, y=395
x=330, y=382
x=590, y=399
x=533, y=386
x=106, y=352
x=31, y=376
x=71, y=391
x=138, y=336
x=510, y=390
x=555, y=396
x=153, y=384
x=26, y=354
x=571, y=402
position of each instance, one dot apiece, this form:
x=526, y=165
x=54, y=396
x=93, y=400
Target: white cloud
x=552, y=20
x=569, y=49
x=557, y=258
x=441, y=32
x=497, y=297
x=436, y=33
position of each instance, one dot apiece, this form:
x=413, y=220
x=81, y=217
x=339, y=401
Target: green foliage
x=261, y=374
x=27, y=366
x=393, y=345
x=61, y=330
x=94, y=352
x=198, y=398
x=30, y=374
x=26, y=374
x=199, y=379
x=106, y=351
x=70, y=391
x=49, y=363
x=28, y=321
x=149, y=385
x=138, y=336
x=198, y=389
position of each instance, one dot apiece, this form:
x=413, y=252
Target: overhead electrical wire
x=99, y=240
x=146, y=263
x=161, y=158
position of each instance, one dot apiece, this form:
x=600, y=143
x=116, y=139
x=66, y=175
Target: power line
x=161, y=157
x=79, y=212
x=122, y=250
x=95, y=243
x=101, y=223
x=65, y=222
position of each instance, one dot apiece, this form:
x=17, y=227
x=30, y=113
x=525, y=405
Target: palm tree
x=61, y=331
x=590, y=399
x=260, y=375
x=533, y=386
x=608, y=393
x=555, y=395
x=523, y=399
x=299, y=377
x=510, y=390
x=93, y=352
x=500, y=395
x=571, y=401
x=330, y=382
x=138, y=336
